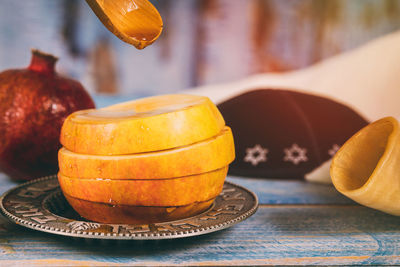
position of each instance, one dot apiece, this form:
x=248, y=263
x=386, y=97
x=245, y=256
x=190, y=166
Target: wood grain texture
x=270, y=191
x=280, y=235
x=297, y=223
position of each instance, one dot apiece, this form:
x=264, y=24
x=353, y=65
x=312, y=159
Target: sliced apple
x=166, y=192
x=105, y=213
x=145, y=125
x=209, y=155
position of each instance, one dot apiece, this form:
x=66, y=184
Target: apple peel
x=125, y=214
x=159, y=192
x=367, y=167
x=202, y=157
x=144, y=125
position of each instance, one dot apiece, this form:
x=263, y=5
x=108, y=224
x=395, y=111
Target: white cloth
x=367, y=79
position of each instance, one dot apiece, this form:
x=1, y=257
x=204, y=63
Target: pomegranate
x=33, y=105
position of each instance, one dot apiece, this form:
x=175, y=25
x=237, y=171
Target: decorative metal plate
x=40, y=205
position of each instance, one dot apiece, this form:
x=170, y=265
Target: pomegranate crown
x=42, y=62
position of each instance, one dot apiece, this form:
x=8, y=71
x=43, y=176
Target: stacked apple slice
x=149, y=160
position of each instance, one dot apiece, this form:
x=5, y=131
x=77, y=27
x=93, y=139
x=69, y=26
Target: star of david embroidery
x=333, y=150
x=295, y=154
x=256, y=154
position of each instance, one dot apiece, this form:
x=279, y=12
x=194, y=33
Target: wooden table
x=297, y=223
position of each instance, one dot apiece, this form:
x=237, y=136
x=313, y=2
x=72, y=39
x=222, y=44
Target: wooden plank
x=299, y=234
x=6, y=183
x=273, y=191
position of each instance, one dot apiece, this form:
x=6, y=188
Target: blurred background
x=203, y=42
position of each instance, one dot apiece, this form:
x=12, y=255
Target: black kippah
x=286, y=134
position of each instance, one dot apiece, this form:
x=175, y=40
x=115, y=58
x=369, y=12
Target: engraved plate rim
x=205, y=228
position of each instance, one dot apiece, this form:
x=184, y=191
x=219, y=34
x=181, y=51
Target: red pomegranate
x=33, y=105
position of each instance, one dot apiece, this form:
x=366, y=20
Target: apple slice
x=159, y=192
x=201, y=157
x=125, y=214
x=144, y=125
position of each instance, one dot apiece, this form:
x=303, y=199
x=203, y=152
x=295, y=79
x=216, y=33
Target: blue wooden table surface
x=297, y=223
